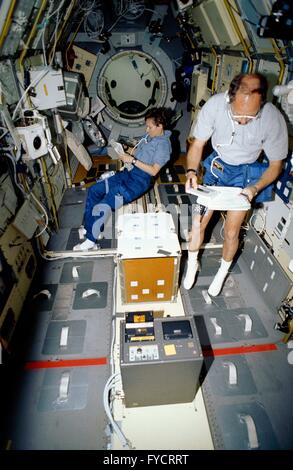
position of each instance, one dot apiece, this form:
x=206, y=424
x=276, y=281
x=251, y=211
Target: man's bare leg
x=232, y=227
x=199, y=224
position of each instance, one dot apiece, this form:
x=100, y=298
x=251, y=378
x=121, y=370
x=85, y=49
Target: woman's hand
x=129, y=150
x=125, y=158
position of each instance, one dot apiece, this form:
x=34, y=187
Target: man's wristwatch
x=134, y=160
x=193, y=170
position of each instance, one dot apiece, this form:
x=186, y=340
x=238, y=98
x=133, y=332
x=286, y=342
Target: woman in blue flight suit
x=142, y=165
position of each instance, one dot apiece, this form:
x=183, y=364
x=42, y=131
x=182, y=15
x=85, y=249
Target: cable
x=52, y=255
x=4, y=133
x=119, y=8
x=136, y=145
x=56, y=11
x=46, y=22
x=135, y=9
x=32, y=33
x=52, y=52
x=121, y=13
x=69, y=172
x=15, y=175
x=248, y=21
x=227, y=144
x=258, y=214
x=212, y=164
x=97, y=19
x=37, y=79
x=45, y=214
x=113, y=319
x=65, y=18
x=118, y=19
x=129, y=165
x=43, y=166
x=108, y=387
x=87, y=8
x=154, y=11
x=27, y=196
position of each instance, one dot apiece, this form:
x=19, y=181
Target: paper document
x=117, y=147
x=220, y=198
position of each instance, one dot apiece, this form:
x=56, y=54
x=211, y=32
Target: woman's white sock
x=84, y=246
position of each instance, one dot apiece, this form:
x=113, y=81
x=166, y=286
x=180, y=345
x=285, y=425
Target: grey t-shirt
x=235, y=143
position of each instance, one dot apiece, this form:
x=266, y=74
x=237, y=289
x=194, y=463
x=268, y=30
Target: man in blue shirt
x=143, y=164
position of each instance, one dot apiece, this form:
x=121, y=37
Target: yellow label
x=142, y=338
x=139, y=318
x=170, y=349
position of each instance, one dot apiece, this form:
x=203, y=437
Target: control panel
x=144, y=353
x=161, y=359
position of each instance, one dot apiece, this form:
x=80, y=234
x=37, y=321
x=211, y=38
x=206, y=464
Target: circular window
x=140, y=84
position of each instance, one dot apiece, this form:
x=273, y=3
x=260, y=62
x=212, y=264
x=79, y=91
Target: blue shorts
x=239, y=176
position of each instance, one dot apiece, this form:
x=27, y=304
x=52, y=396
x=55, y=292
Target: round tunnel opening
x=130, y=83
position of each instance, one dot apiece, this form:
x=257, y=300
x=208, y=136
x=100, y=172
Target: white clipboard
x=221, y=198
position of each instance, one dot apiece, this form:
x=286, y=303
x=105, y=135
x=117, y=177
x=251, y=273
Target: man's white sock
x=217, y=284
x=192, y=268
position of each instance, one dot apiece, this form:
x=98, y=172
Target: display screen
x=178, y=329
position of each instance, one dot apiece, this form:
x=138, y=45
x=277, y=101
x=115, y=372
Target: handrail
x=32, y=33
x=280, y=60
x=65, y=19
x=7, y=22
x=215, y=69
x=240, y=35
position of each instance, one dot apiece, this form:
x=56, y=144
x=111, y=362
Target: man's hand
x=250, y=192
x=193, y=159
x=191, y=180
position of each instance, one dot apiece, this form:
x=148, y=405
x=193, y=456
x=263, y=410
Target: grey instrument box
x=74, y=96
x=164, y=370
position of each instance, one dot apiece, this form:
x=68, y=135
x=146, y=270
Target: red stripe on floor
x=239, y=350
x=99, y=361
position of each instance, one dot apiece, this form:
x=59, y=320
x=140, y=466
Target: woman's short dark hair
x=261, y=90
x=159, y=116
